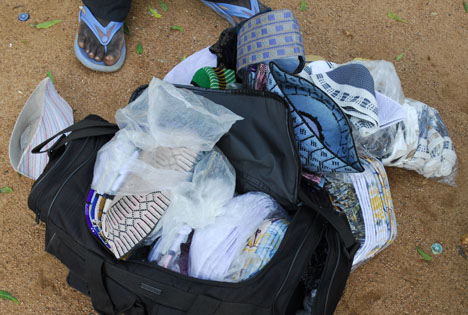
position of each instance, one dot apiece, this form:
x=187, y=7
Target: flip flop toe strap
x=103, y=33
x=239, y=11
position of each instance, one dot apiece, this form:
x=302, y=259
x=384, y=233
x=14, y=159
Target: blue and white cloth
x=351, y=86
x=323, y=134
x=271, y=36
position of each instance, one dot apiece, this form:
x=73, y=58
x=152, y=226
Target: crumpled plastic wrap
x=386, y=79
x=162, y=121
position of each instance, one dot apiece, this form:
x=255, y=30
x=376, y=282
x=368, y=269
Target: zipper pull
x=37, y=218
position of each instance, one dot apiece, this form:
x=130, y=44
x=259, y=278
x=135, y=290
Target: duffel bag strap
x=335, y=219
x=99, y=296
x=91, y=126
x=98, y=269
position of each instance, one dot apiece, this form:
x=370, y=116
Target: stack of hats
x=44, y=114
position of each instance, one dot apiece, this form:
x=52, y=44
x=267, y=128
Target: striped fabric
x=125, y=222
x=352, y=88
x=131, y=219
x=44, y=114
x=213, y=78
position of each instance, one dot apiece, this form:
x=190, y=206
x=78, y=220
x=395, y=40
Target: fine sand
x=432, y=70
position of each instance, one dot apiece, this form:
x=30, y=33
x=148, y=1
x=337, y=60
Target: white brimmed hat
x=44, y=114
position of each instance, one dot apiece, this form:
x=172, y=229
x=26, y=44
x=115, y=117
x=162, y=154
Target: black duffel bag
x=316, y=253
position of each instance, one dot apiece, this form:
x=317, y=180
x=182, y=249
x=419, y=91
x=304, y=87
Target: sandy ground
x=433, y=70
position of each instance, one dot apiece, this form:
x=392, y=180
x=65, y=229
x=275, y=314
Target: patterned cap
x=269, y=36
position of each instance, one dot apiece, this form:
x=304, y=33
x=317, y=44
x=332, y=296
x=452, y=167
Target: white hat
x=44, y=114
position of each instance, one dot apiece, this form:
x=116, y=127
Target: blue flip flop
x=227, y=11
x=104, y=35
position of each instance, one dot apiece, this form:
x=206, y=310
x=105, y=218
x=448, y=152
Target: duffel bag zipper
x=37, y=183
x=338, y=244
x=68, y=178
x=290, y=268
x=292, y=137
x=250, y=92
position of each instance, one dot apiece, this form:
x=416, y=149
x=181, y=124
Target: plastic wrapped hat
x=44, y=114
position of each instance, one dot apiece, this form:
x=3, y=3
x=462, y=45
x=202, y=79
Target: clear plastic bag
x=215, y=247
x=420, y=142
x=163, y=121
x=386, y=79
x=195, y=204
x=170, y=259
x=424, y=145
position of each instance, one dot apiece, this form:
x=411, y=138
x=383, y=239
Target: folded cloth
x=364, y=100
x=183, y=72
x=260, y=248
x=44, y=114
x=215, y=246
x=93, y=209
x=352, y=87
x=343, y=198
x=366, y=200
x=260, y=77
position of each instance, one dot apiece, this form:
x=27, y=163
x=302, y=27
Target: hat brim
x=44, y=114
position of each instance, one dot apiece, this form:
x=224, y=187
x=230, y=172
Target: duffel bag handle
x=204, y=305
x=91, y=126
x=162, y=293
